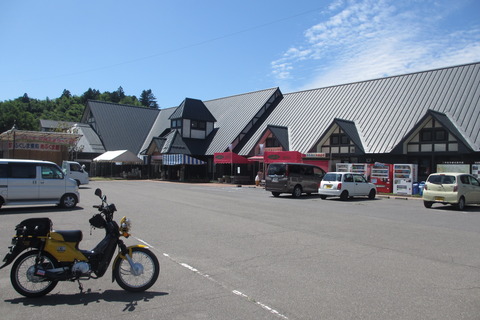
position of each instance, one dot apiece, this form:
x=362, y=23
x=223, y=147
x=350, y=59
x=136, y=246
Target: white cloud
x=361, y=40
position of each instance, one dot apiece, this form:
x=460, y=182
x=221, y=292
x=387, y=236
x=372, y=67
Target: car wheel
x=461, y=204
x=372, y=194
x=344, y=195
x=323, y=197
x=427, y=204
x=276, y=194
x=297, y=191
x=68, y=201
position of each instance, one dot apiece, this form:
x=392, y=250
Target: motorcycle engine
x=81, y=268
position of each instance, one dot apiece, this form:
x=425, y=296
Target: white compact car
x=346, y=185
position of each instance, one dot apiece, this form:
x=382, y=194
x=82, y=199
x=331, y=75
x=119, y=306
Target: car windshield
x=442, y=179
x=333, y=177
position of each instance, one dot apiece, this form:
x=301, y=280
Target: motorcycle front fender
x=120, y=255
x=14, y=252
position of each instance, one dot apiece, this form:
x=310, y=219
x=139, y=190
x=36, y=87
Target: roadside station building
x=425, y=118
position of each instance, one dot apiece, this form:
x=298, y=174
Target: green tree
x=148, y=100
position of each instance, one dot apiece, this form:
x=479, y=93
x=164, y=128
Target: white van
x=75, y=171
x=28, y=182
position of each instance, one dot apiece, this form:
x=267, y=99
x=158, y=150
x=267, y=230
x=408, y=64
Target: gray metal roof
x=193, y=109
x=234, y=114
x=383, y=110
x=161, y=123
x=121, y=126
x=89, y=142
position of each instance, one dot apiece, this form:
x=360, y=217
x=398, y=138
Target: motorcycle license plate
x=439, y=199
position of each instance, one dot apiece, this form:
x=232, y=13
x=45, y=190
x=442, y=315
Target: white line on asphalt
x=236, y=292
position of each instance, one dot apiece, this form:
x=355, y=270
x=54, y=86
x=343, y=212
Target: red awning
x=283, y=156
x=228, y=157
x=256, y=158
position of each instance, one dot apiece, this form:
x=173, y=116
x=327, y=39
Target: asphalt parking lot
x=230, y=252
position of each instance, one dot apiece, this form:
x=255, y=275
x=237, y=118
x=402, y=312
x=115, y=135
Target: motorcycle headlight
x=125, y=225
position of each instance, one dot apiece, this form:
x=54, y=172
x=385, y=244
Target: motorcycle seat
x=71, y=235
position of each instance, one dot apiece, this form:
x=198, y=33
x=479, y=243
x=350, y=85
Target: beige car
x=458, y=189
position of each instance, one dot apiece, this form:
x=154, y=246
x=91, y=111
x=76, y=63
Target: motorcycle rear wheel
x=23, y=278
x=127, y=279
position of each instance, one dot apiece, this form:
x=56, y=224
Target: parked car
x=294, y=178
x=346, y=185
x=75, y=171
x=458, y=189
x=29, y=182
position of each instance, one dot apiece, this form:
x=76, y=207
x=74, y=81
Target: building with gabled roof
x=118, y=126
x=426, y=118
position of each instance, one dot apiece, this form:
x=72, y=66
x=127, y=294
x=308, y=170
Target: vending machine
x=344, y=167
x=363, y=168
x=404, y=175
x=381, y=176
x=476, y=170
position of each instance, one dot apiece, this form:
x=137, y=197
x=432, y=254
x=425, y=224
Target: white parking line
x=236, y=292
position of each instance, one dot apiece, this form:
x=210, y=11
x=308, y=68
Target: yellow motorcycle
x=54, y=256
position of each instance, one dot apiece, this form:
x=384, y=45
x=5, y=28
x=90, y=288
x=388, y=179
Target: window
x=3, y=170
x=176, y=123
x=359, y=178
x=339, y=139
x=23, y=171
x=433, y=134
x=199, y=125
x=272, y=142
x=51, y=172
x=75, y=167
x=474, y=182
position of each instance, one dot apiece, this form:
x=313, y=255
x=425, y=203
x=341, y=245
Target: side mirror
x=98, y=193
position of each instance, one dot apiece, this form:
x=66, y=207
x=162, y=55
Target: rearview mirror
x=98, y=193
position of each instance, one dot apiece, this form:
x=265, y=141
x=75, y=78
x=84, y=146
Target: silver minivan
x=294, y=178
x=29, y=182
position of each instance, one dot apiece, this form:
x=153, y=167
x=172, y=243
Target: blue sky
x=213, y=49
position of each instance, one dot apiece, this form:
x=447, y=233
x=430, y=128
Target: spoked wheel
x=144, y=273
x=23, y=277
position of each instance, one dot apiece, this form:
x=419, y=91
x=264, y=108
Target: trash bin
x=415, y=190
x=421, y=186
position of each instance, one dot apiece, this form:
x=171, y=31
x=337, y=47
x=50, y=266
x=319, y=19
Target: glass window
x=200, y=125
x=23, y=171
x=348, y=178
x=3, y=170
x=474, y=182
x=359, y=178
x=51, y=172
x=440, y=135
x=318, y=172
x=426, y=135
x=309, y=171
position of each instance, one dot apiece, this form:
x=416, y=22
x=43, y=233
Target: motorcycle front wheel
x=142, y=276
x=23, y=277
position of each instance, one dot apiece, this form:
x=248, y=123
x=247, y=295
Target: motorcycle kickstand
x=80, y=286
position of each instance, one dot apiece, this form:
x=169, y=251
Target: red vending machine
x=382, y=177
